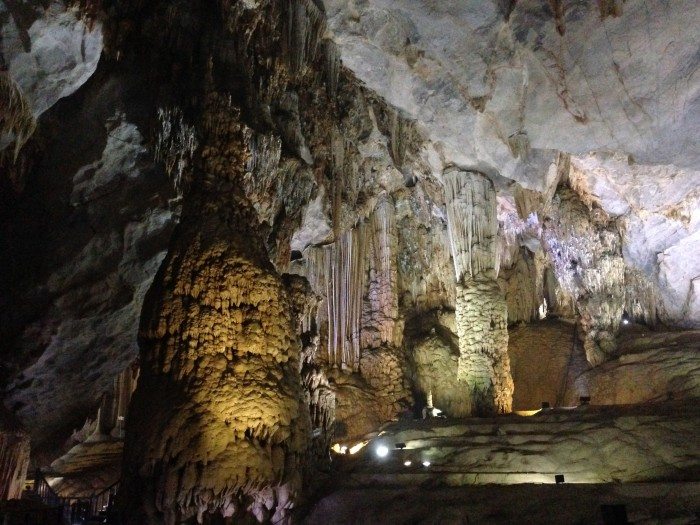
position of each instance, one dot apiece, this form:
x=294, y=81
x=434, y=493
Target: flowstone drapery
x=482, y=321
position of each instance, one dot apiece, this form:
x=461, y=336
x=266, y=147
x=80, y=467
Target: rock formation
x=481, y=316
x=14, y=456
x=337, y=208
x=220, y=352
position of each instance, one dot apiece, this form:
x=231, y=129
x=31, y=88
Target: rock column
x=217, y=423
x=481, y=314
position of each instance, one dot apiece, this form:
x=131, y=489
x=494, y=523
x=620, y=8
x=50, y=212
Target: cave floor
x=567, y=504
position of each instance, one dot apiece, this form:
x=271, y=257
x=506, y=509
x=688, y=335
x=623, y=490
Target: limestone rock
x=435, y=371
x=50, y=51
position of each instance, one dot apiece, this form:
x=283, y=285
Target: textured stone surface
x=500, y=87
x=480, y=309
x=545, y=358
x=588, y=445
x=657, y=207
x=482, y=330
x=478, y=75
x=88, y=468
x=220, y=380
x=80, y=247
x=653, y=367
x=577, y=118
x=585, y=253
x=548, y=364
x=48, y=50
x=434, y=361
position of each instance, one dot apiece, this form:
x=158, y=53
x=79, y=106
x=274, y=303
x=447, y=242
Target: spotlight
x=559, y=479
x=625, y=321
x=382, y=451
x=407, y=463
x=426, y=463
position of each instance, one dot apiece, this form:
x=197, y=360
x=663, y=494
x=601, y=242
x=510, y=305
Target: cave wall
x=81, y=244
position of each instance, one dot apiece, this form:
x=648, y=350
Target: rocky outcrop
x=371, y=148
x=502, y=87
x=434, y=361
x=652, y=367
x=220, y=380
x=584, y=249
x=81, y=245
x=546, y=357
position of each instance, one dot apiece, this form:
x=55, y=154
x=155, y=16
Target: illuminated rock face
x=482, y=328
x=435, y=371
x=217, y=422
x=481, y=315
x=218, y=405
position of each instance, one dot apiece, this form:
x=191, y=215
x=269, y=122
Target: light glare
x=382, y=451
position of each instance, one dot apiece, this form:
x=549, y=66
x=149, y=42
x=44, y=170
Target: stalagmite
x=481, y=313
x=217, y=422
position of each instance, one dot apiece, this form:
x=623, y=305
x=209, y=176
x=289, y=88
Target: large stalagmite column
x=482, y=322
x=216, y=423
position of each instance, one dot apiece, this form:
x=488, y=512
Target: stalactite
x=16, y=117
x=585, y=252
x=14, y=456
x=481, y=314
x=381, y=309
x=124, y=386
x=337, y=272
x=523, y=283
x=641, y=297
x=175, y=146
x=473, y=225
x=332, y=71
x=304, y=27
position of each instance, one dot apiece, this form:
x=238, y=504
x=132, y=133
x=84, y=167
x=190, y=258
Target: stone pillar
x=482, y=329
x=217, y=422
x=481, y=314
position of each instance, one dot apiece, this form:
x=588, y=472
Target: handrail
x=101, y=501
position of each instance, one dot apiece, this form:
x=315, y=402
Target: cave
x=349, y=261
